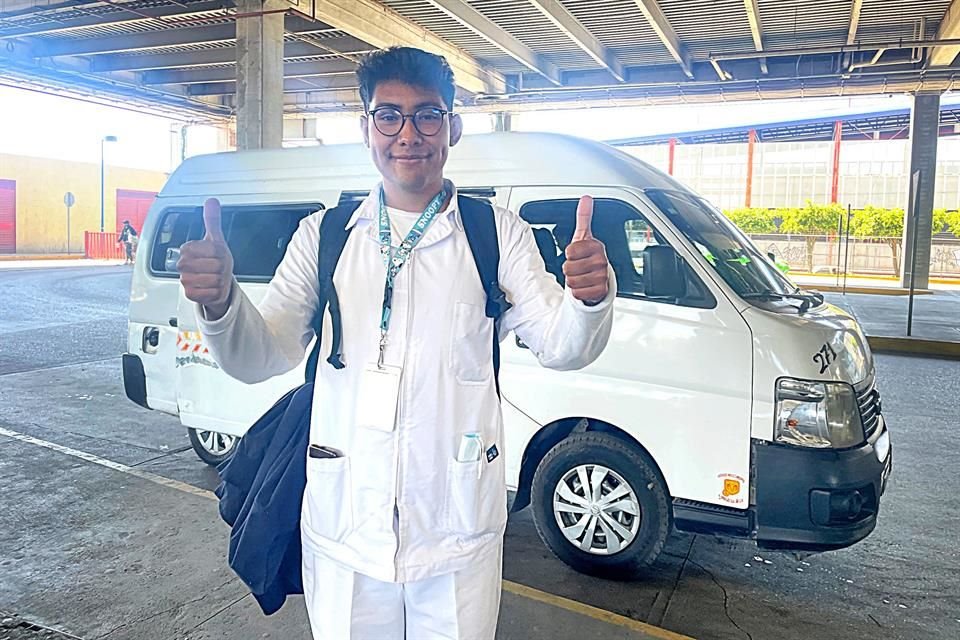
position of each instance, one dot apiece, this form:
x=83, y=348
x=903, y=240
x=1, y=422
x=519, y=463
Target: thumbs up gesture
x=585, y=268
x=206, y=266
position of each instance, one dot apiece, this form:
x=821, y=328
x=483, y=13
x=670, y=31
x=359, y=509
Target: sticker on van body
x=732, y=488
x=191, y=350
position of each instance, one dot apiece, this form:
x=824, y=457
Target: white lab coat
x=399, y=506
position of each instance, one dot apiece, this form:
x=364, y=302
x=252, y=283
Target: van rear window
x=257, y=236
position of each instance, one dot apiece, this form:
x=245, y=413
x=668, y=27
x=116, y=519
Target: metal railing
x=863, y=256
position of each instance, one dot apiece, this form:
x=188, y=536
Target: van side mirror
x=663, y=275
x=772, y=256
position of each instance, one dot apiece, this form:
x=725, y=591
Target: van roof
x=487, y=160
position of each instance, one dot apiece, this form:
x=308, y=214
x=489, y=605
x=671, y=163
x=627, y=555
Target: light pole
x=102, y=181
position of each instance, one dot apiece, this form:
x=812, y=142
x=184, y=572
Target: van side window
x=257, y=236
x=258, y=241
x=176, y=228
x=621, y=228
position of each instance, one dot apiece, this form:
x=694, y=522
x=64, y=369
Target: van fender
x=551, y=435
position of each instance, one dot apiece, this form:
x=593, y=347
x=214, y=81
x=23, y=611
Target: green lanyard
x=394, y=261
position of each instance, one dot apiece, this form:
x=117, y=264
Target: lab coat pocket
x=329, y=510
x=471, y=344
x=472, y=506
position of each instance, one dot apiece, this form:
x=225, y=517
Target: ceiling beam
x=11, y=8
x=173, y=37
x=229, y=74
x=949, y=28
x=658, y=21
x=71, y=76
x=297, y=85
x=475, y=21
x=580, y=35
x=855, y=21
x=382, y=27
x=756, y=29
x=114, y=17
x=292, y=51
x=222, y=33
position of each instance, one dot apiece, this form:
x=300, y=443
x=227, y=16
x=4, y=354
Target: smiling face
x=411, y=163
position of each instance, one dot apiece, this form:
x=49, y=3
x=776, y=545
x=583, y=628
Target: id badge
x=377, y=398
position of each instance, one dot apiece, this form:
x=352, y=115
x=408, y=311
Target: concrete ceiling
x=178, y=56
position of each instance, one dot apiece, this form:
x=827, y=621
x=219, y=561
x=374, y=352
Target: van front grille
x=868, y=397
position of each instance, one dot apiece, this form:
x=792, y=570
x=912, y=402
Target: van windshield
x=723, y=245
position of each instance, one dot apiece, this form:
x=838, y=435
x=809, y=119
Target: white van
x=727, y=401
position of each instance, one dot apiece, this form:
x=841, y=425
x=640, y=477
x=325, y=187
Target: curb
x=854, y=278
x=23, y=257
x=878, y=291
x=915, y=347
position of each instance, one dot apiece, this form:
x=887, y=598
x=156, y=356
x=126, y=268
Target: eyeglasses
x=389, y=121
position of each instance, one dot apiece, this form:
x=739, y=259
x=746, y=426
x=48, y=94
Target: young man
x=405, y=505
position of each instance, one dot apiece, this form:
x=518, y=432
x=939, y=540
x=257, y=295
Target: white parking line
x=110, y=464
x=512, y=587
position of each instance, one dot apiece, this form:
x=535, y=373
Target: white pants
x=344, y=605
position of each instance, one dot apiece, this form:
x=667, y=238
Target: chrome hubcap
x=216, y=443
x=596, y=509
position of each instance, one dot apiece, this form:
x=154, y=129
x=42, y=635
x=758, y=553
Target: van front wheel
x=601, y=505
x=212, y=447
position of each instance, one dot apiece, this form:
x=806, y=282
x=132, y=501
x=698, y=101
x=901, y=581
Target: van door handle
x=151, y=340
x=520, y=343
x=173, y=321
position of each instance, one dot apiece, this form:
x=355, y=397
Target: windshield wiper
x=807, y=299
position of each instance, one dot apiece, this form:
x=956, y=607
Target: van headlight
x=824, y=415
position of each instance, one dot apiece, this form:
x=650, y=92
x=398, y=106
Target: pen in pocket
x=316, y=451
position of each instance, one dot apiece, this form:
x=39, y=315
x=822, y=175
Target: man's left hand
x=585, y=268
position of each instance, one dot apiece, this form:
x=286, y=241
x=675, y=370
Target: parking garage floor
x=107, y=528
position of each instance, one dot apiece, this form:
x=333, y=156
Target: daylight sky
x=43, y=125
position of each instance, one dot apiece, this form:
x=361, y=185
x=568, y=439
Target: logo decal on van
x=190, y=350
x=732, y=485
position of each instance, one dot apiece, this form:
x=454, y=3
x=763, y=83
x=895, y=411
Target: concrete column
x=260, y=73
x=924, y=130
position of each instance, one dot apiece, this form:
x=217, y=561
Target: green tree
x=753, y=220
x=888, y=224
x=953, y=223
x=940, y=221
x=813, y=220
x=883, y=223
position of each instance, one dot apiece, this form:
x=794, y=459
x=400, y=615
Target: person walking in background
x=128, y=237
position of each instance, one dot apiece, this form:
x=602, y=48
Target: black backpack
x=479, y=225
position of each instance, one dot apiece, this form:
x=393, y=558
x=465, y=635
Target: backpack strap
x=480, y=225
x=333, y=237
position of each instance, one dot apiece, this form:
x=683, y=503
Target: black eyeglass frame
x=403, y=119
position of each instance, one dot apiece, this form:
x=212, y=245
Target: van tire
x=200, y=440
x=632, y=465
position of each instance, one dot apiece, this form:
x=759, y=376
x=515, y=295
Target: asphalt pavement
x=936, y=316
x=100, y=551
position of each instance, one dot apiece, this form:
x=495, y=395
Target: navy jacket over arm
x=260, y=494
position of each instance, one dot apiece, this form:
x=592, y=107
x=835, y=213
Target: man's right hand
x=206, y=266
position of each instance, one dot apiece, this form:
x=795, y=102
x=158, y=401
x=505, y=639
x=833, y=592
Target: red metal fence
x=103, y=246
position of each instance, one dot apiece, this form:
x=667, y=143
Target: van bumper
x=134, y=379
x=815, y=499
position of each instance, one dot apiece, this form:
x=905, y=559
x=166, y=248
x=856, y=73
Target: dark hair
x=408, y=65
